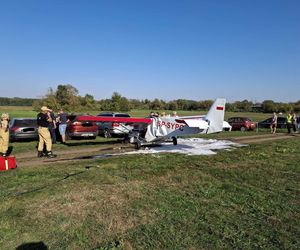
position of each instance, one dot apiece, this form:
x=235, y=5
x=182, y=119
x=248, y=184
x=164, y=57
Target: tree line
x=68, y=98
x=16, y=101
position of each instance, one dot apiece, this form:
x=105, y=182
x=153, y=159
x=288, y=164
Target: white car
x=108, y=129
x=226, y=126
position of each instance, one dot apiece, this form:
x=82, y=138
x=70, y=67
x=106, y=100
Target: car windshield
x=122, y=115
x=282, y=119
x=268, y=120
x=25, y=123
x=71, y=117
x=105, y=115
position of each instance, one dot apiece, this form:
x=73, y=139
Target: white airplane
x=159, y=129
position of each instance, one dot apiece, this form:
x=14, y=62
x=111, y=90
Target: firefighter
x=43, y=121
x=289, y=120
x=4, y=134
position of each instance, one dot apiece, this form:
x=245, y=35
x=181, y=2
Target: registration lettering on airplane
x=170, y=125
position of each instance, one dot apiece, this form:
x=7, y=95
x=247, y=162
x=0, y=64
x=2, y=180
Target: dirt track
x=68, y=155
x=72, y=155
x=263, y=138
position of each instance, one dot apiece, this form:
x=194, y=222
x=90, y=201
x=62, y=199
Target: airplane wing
x=113, y=119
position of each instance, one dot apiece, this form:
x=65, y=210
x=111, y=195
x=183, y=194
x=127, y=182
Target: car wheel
x=243, y=129
x=174, y=141
x=106, y=133
x=68, y=137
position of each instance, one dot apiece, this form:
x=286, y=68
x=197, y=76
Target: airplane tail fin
x=215, y=116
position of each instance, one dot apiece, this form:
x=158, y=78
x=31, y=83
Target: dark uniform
x=52, y=128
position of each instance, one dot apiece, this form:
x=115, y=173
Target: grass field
x=247, y=198
x=18, y=111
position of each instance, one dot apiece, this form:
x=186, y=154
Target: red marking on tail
x=220, y=108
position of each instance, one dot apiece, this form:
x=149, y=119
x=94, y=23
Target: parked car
x=108, y=129
x=23, y=129
x=76, y=129
x=241, y=123
x=281, y=122
x=226, y=126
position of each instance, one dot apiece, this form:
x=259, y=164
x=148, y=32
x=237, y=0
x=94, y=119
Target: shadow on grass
x=87, y=157
x=9, y=150
x=33, y=246
x=68, y=175
x=91, y=143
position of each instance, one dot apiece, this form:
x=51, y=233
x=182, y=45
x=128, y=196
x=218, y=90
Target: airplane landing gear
x=174, y=139
x=138, y=145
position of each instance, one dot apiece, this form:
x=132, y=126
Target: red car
x=83, y=129
x=241, y=123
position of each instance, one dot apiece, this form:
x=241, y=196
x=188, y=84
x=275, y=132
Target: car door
x=266, y=123
x=232, y=122
x=102, y=126
x=237, y=123
x=281, y=122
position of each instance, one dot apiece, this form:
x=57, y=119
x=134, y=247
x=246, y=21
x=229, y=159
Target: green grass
x=18, y=111
x=246, y=199
x=28, y=112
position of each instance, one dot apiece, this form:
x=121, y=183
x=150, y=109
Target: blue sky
x=237, y=49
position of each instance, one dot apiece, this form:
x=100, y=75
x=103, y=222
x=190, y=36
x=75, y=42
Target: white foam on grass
x=190, y=146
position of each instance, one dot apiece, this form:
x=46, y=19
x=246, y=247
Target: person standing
x=289, y=119
x=52, y=127
x=294, y=121
x=274, y=123
x=4, y=134
x=175, y=114
x=62, y=120
x=43, y=121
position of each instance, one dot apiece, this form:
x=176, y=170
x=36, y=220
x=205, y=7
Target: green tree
x=172, y=105
x=124, y=104
x=88, y=102
x=268, y=106
x=67, y=97
x=155, y=104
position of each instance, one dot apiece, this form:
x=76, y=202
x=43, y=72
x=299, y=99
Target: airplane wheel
x=126, y=140
x=106, y=133
x=138, y=145
x=174, y=141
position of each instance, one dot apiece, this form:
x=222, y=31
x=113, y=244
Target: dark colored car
x=108, y=129
x=23, y=129
x=83, y=129
x=241, y=123
x=281, y=122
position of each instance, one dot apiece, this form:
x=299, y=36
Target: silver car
x=23, y=128
x=108, y=129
